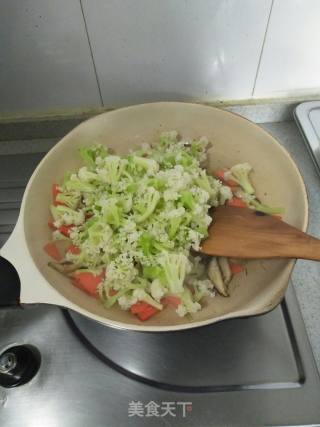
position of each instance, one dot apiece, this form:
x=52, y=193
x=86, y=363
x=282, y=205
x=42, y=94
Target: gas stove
x=72, y=371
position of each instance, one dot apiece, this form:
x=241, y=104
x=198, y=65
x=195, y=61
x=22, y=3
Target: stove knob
x=18, y=365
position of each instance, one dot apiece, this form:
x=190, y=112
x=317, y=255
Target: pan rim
x=192, y=324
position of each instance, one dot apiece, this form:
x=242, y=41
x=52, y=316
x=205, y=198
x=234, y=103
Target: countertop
x=306, y=275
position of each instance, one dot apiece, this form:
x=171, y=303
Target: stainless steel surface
x=228, y=356
x=306, y=274
x=76, y=388
x=15, y=171
x=260, y=371
x=307, y=116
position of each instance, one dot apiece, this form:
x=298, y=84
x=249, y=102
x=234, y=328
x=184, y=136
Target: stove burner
x=18, y=365
x=8, y=362
x=232, y=355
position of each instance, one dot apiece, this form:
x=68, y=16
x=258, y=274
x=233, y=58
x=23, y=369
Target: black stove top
x=248, y=372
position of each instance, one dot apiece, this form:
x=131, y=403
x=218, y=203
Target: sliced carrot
x=87, y=282
x=220, y=174
x=277, y=216
x=236, y=268
x=138, y=307
x=55, y=191
x=236, y=202
x=147, y=313
x=230, y=183
x=52, y=250
x=143, y=310
x=171, y=300
x=51, y=224
x=65, y=229
x=74, y=249
x=90, y=290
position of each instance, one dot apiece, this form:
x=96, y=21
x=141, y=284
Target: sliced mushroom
x=225, y=269
x=62, y=246
x=65, y=268
x=205, y=163
x=215, y=276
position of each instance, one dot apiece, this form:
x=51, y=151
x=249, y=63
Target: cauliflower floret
x=195, y=239
x=89, y=199
x=142, y=295
x=176, y=267
x=146, y=204
x=200, y=195
x=170, y=195
x=240, y=174
x=157, y=290
x=99, y=160
x=181, y=310
x=207, y=220
x=65, y=215
x=112, y=170
x=187, y=305
x=126, y=301
x=121, y=272
x=128, y=226
x=86, y=176
x=253, y=203
x=176, y=178
x=74, y=183
x=175, y=213
x=204, y=288
x=225, y=194
x=150, y=165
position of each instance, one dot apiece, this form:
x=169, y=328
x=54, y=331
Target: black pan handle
x=9, y=284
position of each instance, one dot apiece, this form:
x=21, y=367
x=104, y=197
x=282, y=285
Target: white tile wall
x=45, y=60
x=148, y=50
x=290, y=64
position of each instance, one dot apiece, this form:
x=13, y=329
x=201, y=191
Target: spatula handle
x=307, y=247
x=244, y=233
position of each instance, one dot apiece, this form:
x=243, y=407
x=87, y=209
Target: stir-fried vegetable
x=131, y=224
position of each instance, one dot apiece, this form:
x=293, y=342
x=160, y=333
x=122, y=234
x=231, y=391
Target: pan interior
x=234, y=140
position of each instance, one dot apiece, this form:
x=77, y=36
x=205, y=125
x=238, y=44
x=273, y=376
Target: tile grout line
x=262, y=48
x=91, y=53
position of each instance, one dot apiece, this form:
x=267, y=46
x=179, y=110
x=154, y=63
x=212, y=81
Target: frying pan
x=234, y=139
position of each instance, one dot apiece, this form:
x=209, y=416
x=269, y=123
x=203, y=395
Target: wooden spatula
x=245, y=233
